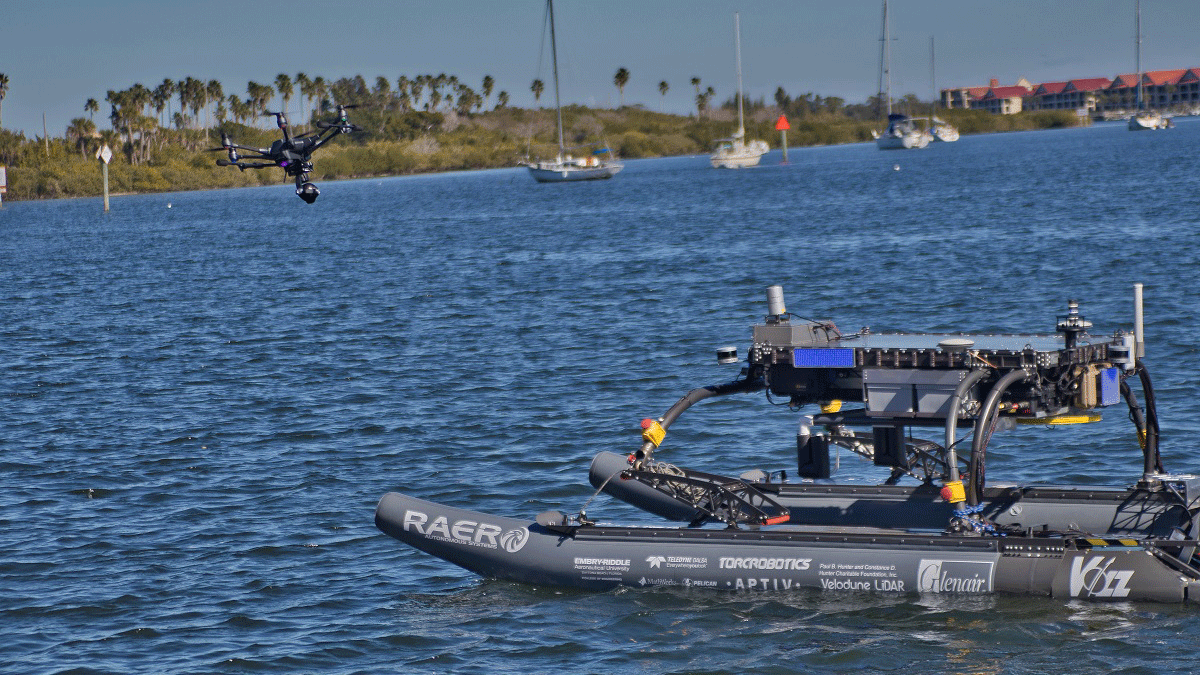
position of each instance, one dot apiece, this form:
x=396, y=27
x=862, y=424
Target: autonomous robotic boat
x=934, y=524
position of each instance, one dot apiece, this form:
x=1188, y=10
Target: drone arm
x=243, y=165
x=323, y=137
x=261, y=151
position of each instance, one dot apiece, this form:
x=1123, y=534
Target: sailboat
x=942, y=130
x=902, y=132
x=599, y=163
x=1142, y=120
x=735, y=152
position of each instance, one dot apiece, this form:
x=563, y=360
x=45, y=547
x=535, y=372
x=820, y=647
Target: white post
x=1139, y=333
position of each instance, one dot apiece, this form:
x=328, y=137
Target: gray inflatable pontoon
x=790, y=558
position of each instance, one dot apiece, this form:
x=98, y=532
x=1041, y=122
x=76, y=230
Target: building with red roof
x=962, y=97
x=1161, y=89
x=1004, y=100
x=1080, y=95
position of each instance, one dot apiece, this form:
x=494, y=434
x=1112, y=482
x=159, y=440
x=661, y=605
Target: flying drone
x=293, y=154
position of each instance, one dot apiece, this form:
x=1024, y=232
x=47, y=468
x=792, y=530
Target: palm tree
x=187, y=91
x=702, y=101
x=197, y=100
x=435, y=90
x=141, y=98
x=320, y=89
x=159, y=98
x=382, y=92
x=259, y=96
x=502, y=100
x=81, y=131
x=306, y=92
x=167, y=88
x=621, y=79
x=662, y=92
x=213, y=91
x=92, y=106
x=418, y=86
x=403, y=94
x=537, y=89
x=488, y=84
x=3, y=88
x=283, y=84
x=237, y=108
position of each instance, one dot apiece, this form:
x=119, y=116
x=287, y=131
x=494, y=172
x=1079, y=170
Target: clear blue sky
x=59, y=53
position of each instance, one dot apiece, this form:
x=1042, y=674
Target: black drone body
x=293, y=154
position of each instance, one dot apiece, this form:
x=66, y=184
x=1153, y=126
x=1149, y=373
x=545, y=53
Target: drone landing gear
x=308, y=192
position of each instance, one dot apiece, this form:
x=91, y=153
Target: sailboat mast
x=737, y=48
x=1138, y=53
x=887, y=57
x=554, y=60
x=932, y=81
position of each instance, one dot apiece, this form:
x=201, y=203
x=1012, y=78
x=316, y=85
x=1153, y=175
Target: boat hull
x=1147, y=122
x=564, y=174
x=735, y=162
x=945, y=135
x=848, y=561
x=907, y=141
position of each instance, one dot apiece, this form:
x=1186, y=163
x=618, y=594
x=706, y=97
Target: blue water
x=205, y=394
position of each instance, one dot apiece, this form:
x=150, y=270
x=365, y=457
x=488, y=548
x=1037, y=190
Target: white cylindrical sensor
x=775, y=306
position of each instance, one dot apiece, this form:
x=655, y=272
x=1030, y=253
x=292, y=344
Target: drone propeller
x=342, y=124
x=226, y=143
x=281, y=119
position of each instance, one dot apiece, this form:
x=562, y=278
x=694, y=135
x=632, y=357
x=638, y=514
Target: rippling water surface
x=205, y=394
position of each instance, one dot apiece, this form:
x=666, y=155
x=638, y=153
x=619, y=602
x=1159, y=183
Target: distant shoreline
x=177, y=161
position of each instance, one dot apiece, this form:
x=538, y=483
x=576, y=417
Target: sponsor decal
x=765, y=584
x=514, y=540
x=954, y=576
x=765, y=563
x=1093, y=577
x=881, y=585
x=467, y=532
x=687, y=583
x=676, y=562
x=609, y=569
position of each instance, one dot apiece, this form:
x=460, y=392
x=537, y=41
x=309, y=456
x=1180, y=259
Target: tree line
x=410, y=125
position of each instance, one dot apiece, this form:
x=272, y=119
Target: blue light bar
x=1110, y=387
x=822, y=358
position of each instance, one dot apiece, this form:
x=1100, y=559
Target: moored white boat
x=568, y=168
x=944, y=132
x=902, y=132
x=941, y=130
x=1144, y=120
x=735, y=152
x=564, y=168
